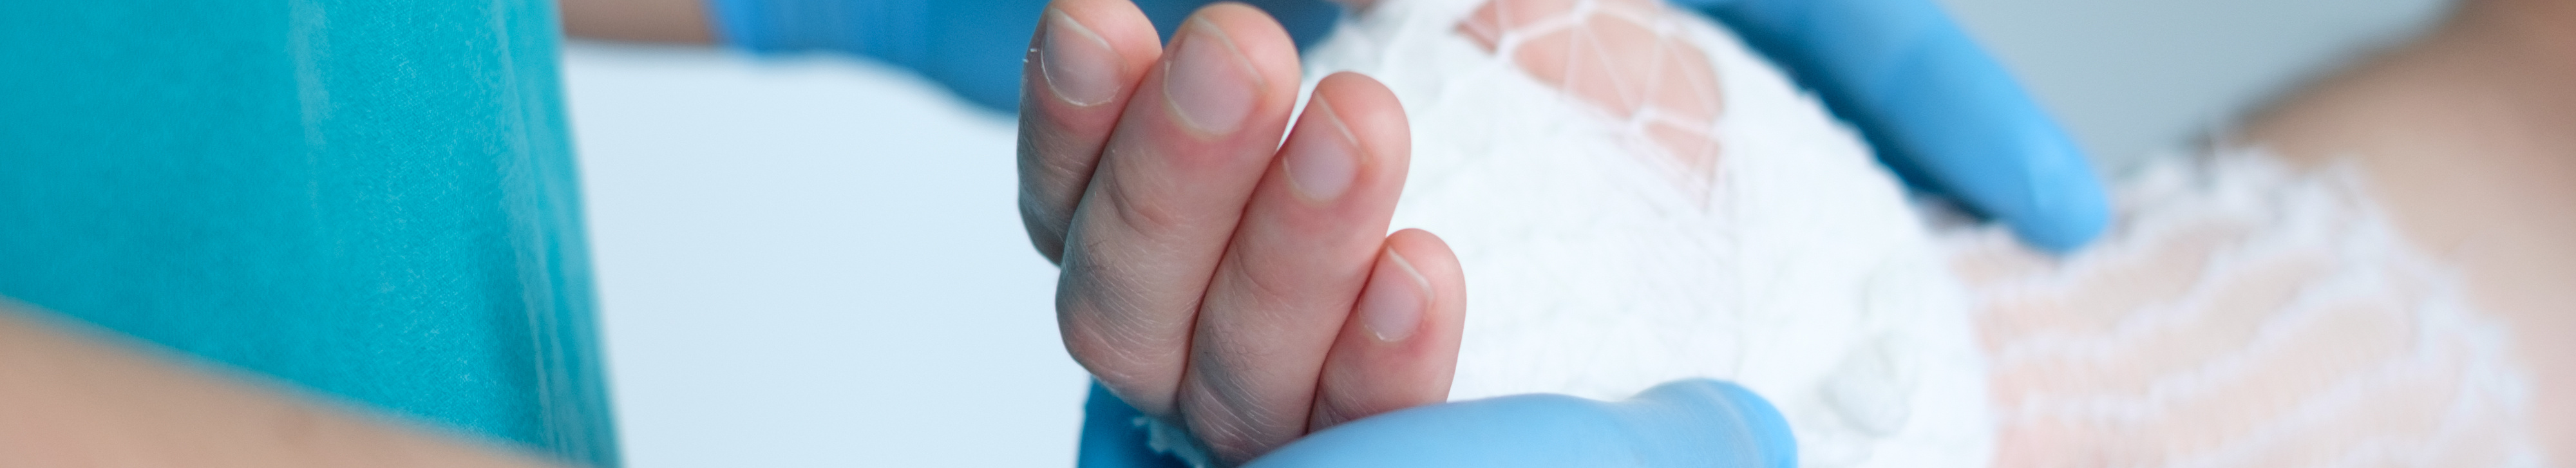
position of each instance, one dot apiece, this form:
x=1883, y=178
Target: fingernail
x=1323, y=160
x=1208, y=82
x=1079, y=65
x=1392, y=305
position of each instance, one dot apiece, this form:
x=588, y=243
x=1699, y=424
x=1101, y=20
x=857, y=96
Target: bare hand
x=1212, y=276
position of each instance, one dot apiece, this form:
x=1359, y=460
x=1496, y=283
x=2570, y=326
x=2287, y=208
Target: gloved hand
x=1941, y=113
x=1697, y=423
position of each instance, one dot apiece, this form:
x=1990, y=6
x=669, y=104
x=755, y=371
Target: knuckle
x=1144, y=213
x=1120, y=335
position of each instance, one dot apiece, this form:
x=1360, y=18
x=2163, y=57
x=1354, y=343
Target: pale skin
x=2462, y=138
x=2469, y=134
x=74, y=397
x=2464, y=129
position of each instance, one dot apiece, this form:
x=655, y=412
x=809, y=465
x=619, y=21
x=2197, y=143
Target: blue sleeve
x=1941, y=112
x=973, y=47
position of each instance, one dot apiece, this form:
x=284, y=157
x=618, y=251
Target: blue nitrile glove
x=1113, y=437
x=972, y=46
x=1687, y=423
x=1939, y=111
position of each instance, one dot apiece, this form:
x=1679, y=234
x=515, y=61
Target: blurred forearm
x=671, y=21
x=69, y=399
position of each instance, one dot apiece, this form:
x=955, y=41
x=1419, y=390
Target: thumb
x=1699, y=423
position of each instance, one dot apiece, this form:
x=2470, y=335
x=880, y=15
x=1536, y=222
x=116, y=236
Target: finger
x=1170, y=187
x=1937, y=108
x=1082, y=67
x=1295, y=267
x=1400, y=347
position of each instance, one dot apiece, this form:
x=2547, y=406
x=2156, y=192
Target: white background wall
x=2129, y=77
x=813, y=263
x=816, y=262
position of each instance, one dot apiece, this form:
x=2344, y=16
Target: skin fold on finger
x=1381, y=364
x=1296, y=266
x=1082, y=67
x=1163, y=203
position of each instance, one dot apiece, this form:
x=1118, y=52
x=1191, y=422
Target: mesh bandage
x=2241, y=313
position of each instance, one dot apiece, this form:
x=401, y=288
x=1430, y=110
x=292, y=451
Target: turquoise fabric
x=372, y=199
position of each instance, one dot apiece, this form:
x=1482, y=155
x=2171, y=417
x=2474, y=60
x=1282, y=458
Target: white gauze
x=1598, y=267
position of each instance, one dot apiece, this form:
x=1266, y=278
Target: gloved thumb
x=1695, y=423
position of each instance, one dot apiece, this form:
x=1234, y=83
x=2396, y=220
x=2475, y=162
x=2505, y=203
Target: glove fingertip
x=2065, y=206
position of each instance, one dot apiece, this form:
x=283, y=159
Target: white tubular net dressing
x=1636, y=198
x=2241, y=313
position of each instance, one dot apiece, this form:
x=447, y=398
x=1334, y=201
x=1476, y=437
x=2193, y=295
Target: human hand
x=1212, y=277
